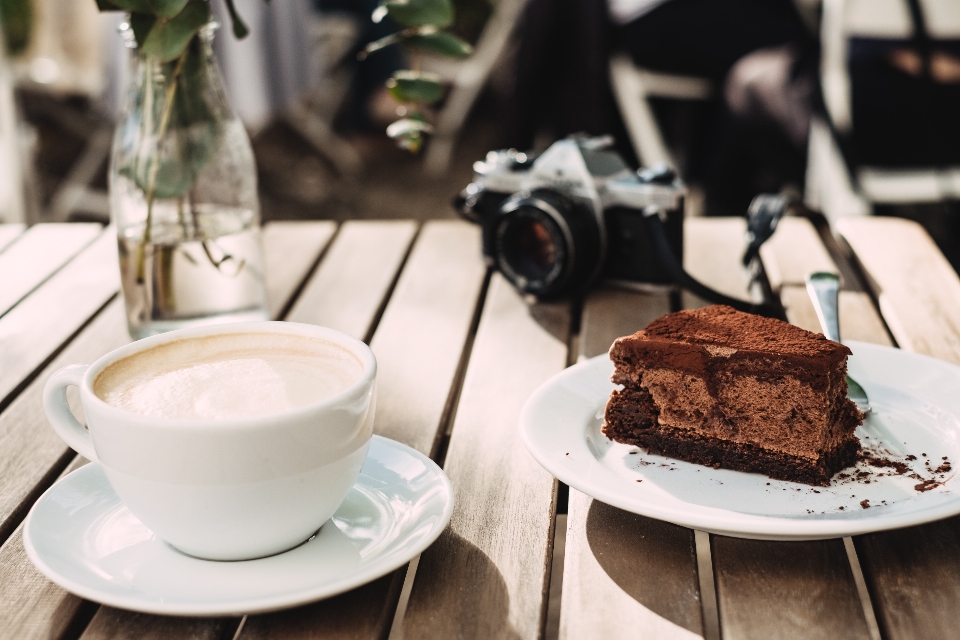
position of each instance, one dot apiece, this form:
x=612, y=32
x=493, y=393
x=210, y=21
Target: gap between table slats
x=29, y=449
x=913, y=574
x=39, y=325
x=625, y=575
x=776, y=589
x=418, y=343
x=487, y=575
x=350, y=286
x=38, y=254
x=10, y=232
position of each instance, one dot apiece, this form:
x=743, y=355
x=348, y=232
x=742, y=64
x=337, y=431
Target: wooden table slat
x=351, y=284
x=290, y=249
x=424, y=329
x=793, y=251
x=625, y=576
x=37, y=254
x=917, y=289
x=9, y=232
x=29, y=448
x=418, y=344
x=913, y=574
x=787, y=605
x=43, y=610
x=487, y=576
x=39, y=325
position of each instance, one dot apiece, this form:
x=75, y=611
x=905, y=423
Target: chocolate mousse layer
x=729, y=389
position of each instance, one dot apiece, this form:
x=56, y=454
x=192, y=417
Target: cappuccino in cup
x=228, y=376
x=232, y=441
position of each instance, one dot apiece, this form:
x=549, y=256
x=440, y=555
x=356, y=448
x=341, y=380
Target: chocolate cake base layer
x=725, y=454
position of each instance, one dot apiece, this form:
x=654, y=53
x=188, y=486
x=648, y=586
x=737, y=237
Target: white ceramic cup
x=226, y=489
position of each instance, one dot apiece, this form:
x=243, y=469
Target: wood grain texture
x=36, y=327
x=913, y=574
x=796, y=250
x=788, y=590
x=487, y=575
x=859, y=319
x=351, y=284
x=914, y=579
x=609, y=313
x=917, y=290
x=33, y=608
x=364, y=613
x=822, y=600
x=29, y=449
x=418, y=344
x=709, y=257
x=625, y=576
x=290, y=249
x=37, y=254
x=9, y=232
x=793, y=251
x=118, y=624
x=421, y=336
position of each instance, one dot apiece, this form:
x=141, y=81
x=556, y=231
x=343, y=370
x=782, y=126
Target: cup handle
x=58, y=410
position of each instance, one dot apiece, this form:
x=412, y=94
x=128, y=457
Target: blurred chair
x=332, y=37
x=834, y=184
x=633, y=87
x=467, y=79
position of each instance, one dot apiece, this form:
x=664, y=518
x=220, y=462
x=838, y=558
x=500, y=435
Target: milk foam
x=228, y=376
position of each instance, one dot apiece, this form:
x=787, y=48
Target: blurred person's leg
x=707, y=37
x=752, y=49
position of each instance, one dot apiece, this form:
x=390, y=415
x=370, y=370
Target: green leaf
x=240, y=29
x=156, y=8
x=192, y=138
x=166, y=8
x=419, y=13
x=446, y=44
x=168, y=39
x=413, y=86
x=141, y=25
x=409, y=133
x=16, y=21
x=382, y=43
x=134, y=6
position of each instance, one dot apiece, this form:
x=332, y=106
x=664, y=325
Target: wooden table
x=459, y=353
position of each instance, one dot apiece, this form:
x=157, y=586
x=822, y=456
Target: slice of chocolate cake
x=733, y=390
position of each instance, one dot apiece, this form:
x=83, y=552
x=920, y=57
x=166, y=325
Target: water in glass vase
x=199, y=267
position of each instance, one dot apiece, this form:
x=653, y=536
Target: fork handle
x=824, y=290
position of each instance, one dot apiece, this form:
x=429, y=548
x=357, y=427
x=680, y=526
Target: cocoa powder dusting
x=926, y=485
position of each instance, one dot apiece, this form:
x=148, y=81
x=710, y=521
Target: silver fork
x=824, y=290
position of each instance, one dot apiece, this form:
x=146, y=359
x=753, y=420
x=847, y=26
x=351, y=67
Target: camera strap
x=681, y=278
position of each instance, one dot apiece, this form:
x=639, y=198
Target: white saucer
x=916, y=411
x=83, y=538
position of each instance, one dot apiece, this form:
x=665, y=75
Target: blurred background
x=854, y=105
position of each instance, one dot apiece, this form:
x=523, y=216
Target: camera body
x=555, y=223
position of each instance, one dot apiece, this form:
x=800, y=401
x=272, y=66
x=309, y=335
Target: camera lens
x=546, y=243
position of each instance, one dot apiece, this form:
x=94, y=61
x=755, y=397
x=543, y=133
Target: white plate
x=84, y=539
x=916, y=410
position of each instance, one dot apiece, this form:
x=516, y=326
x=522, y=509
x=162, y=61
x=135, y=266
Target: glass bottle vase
x=183, y=196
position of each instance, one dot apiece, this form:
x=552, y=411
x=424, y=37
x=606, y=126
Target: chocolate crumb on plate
x=927, y=485
x=865, y=504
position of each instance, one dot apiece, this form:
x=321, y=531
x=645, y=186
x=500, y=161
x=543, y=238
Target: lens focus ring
x=546, y=243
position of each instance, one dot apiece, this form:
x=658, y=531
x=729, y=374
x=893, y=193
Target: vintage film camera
x=556, y=223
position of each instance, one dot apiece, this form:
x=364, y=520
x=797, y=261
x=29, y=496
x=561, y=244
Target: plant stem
x=155, y=164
